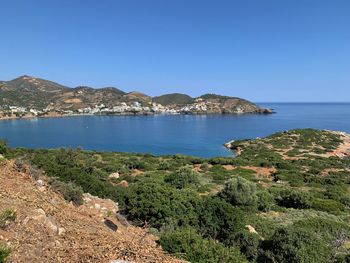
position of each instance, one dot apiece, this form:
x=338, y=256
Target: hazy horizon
x=276, y=51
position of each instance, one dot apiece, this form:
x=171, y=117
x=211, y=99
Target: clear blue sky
x=263, y=50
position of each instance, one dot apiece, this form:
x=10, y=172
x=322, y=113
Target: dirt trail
x=48, y=229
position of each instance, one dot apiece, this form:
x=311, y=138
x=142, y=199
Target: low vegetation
x=4, y=253
x=6, y=216
x=286, y=198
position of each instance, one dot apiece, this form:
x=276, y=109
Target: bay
x=196, y=135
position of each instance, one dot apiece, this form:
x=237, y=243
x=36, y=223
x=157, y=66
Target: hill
x=283, y=198
x=29, y=96
x=40, y=226
x=173, y=98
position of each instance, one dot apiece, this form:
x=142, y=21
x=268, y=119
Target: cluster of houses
x=133, y=108
x=120, y=108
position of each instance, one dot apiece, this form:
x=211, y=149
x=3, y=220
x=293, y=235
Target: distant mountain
x=39, y=94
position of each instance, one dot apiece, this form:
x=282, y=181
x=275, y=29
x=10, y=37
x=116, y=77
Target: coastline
x=58, y=115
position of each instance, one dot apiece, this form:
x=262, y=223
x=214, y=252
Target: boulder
x=114, y=175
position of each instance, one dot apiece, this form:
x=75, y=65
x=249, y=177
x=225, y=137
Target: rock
x=122, y=219
x=114, y=175
x=97, y=206
x=111, y=225
x=40, y=183
x=251, y=229
x=123, y=183
x=41, y=218
x=61, y=231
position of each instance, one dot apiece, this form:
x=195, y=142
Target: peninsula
x=26, y=97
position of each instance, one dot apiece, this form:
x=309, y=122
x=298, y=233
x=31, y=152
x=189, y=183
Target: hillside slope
x=48, y=229
x=26, y=96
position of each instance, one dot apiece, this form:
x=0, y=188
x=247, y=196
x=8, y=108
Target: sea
x=195, y=135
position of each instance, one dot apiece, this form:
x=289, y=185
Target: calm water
x=185, y=134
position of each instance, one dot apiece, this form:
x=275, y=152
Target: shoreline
x=55, y=115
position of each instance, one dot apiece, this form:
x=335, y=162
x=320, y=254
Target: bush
x=3, y=147
x=248, y=244
x=6, y=216
x=265, y=201
x=239, y=191
x=189, y=245
x=150, y=201
x=4, y=253
x=294, y=199
x=327, y=205
x=294, y=245
x=70, y=191
x=220, y=220
x=182, y=178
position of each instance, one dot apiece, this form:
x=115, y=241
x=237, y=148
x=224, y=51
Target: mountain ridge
x=42, y=95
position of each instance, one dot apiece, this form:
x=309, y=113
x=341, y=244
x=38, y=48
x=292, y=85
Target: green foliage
x=240, y=192
x=4, y=253
x=3, y=147
x=70, y=191
x=265, y=201
x=220, y=220
x=327, y=205
x=248, y=244
x=300, y=211
x=174, y=98
x=158, y=204
x=291, y=198
x=6, y=216
x=294, y=245
x=189, y=245
x=183, y=178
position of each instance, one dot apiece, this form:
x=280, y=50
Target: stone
x=114, y=175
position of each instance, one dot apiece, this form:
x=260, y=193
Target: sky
x=262, y=50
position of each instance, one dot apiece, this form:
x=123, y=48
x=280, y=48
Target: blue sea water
x=197, y=135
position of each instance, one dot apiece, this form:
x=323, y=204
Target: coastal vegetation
x=284, y=198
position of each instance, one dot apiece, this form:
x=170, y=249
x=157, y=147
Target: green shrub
x=294, y=199
x=70, y=191
x=182, y=178
x=150, y=201
x=3, y=147
x=6, y=216
x=294, y=245
x=205, y=167
x=189, y=245
x=265, y=201
x=327, y=205
x=220, y=220
x=248, y=244
x=239, y=191
x=4, y=253
x=328, y=230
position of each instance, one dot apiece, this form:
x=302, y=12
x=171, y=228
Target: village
x=121, y=108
